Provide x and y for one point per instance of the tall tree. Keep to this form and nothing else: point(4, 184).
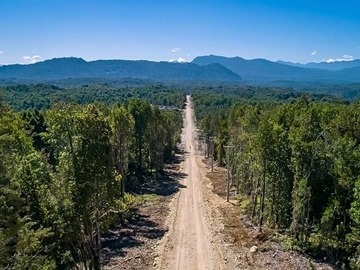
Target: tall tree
point(122, 125)
point(23, 199)
point(141, 112)
point(94, 179)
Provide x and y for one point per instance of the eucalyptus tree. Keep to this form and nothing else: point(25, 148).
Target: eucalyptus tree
point(155, 141)
point(81, 138)
point(122, 126)
point(141, 112)
point(95, 182)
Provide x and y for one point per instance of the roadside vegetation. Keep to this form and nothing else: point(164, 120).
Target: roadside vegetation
point(65, 174)
point(295, 167)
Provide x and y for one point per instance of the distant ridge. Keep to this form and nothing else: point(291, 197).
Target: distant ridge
point(203, 69)
point(64, 68)
point(262, 70)
point(336, 65)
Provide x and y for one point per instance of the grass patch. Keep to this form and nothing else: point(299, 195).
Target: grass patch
point(130, 201)
point(244, 202)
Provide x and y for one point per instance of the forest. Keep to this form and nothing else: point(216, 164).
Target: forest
point(44, 96)
point(73, 158)
point(65, 174)
point(295, 167)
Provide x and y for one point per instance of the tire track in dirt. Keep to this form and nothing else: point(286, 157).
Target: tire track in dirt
point(188, 244)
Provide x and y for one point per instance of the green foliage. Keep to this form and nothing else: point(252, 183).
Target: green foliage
point(122, 126)
point(296, 168)
point(218, 98)
point(354, 237)
point(62, 177)
point(42, 96)
point(23, 196)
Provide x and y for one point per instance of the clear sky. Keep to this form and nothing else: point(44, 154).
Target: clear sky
point(299, 31)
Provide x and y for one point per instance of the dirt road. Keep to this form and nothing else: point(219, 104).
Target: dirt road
point(188, 244)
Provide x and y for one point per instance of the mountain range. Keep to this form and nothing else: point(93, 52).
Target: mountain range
point(262, 70)
point(73, 68)
point(336, 65)
point(207, 69)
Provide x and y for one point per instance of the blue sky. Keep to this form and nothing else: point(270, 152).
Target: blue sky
point(159, 30)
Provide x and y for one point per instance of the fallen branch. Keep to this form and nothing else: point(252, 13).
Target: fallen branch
point(132, 258)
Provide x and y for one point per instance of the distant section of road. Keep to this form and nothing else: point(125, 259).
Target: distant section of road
point(189, 243)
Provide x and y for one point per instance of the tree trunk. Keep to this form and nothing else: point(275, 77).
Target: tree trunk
point(140, 160)
point(255, 193)
point(262, 199)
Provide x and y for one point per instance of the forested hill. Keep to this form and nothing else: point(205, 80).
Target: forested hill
point(264, 71)
point(203, 69)
point(65, 68)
